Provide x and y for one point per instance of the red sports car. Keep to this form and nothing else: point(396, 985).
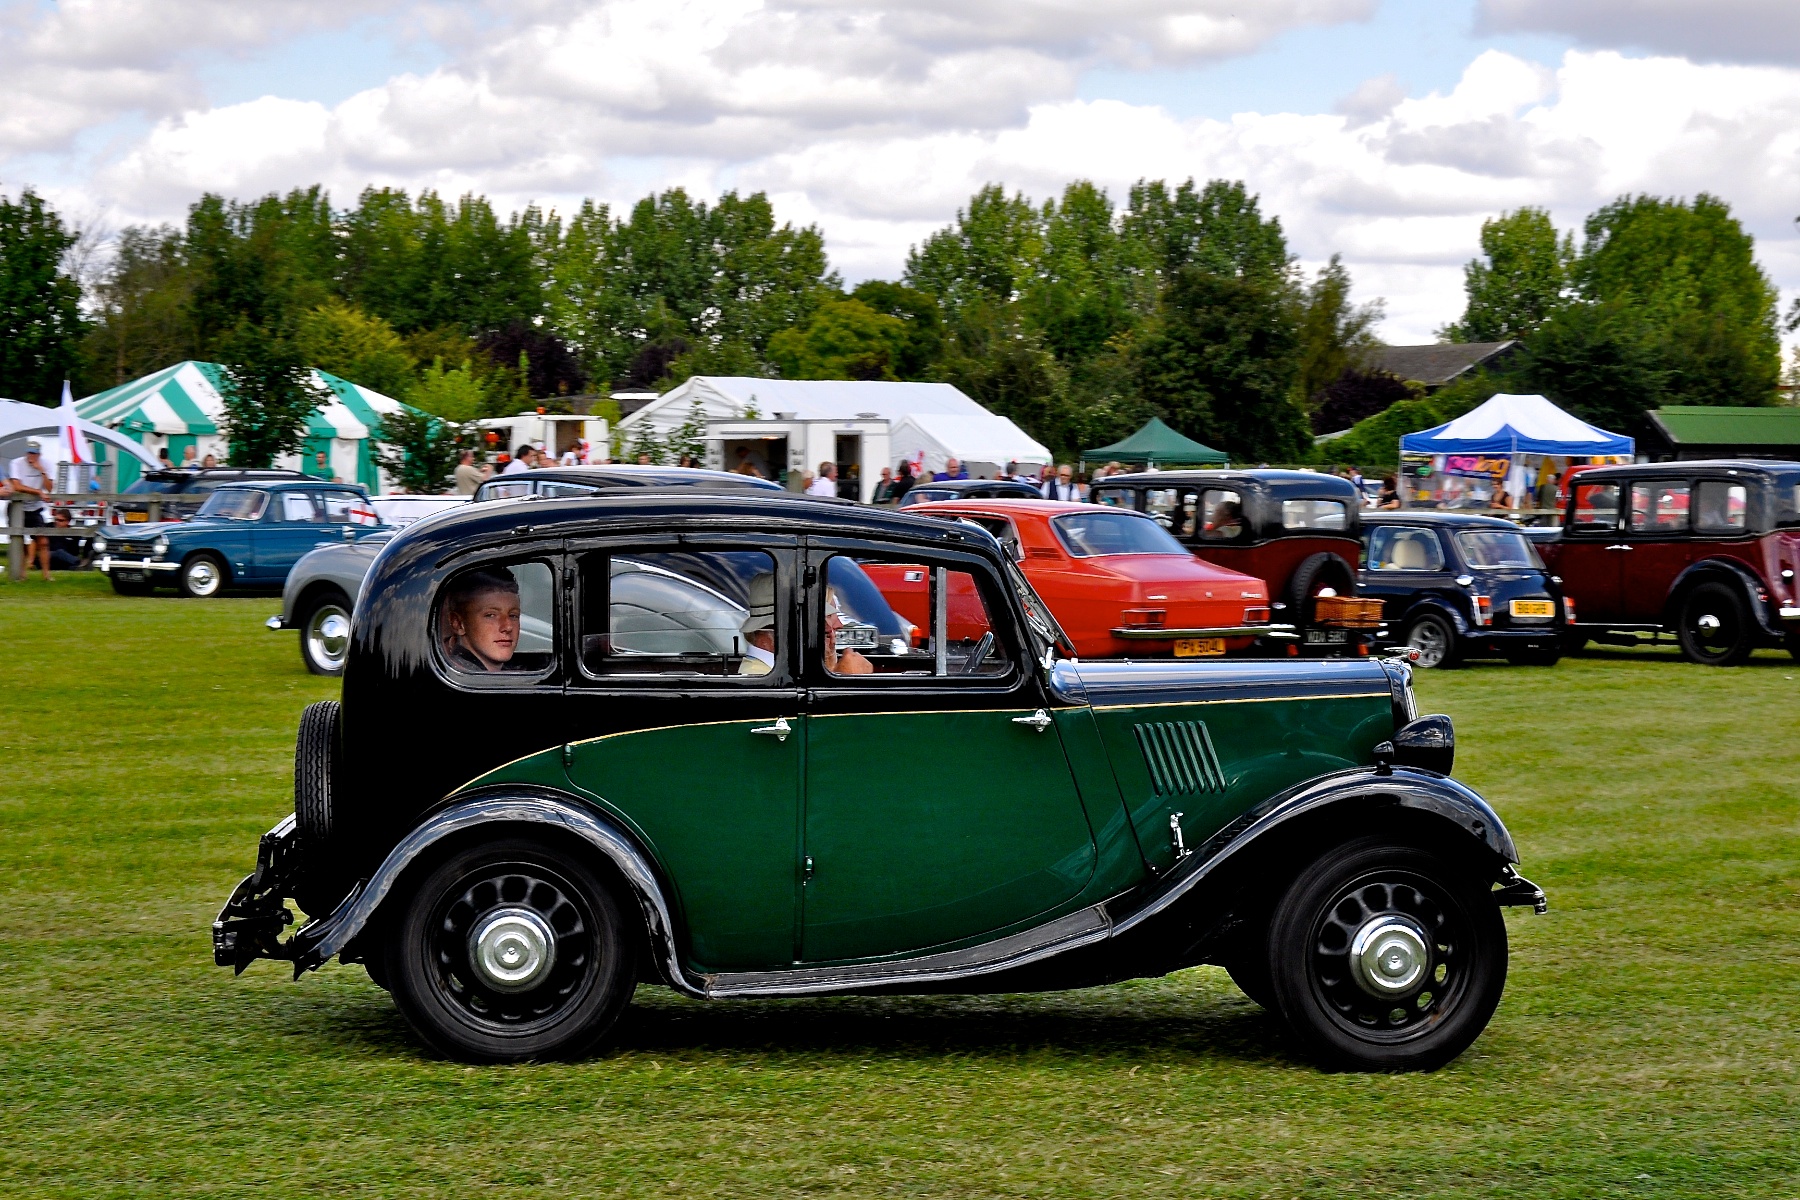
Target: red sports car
point(1115, 581)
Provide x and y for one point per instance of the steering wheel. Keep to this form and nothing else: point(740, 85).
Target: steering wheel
point(979, 655)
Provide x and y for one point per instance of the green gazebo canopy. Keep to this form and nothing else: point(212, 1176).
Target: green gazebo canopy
point(1157, 443)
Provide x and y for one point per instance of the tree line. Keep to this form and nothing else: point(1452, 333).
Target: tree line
point(1076, 316)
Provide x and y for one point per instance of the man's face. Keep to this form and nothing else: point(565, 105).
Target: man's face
point(951, 465)
point(489, 625)
point(61, 516)
point(1065, 474)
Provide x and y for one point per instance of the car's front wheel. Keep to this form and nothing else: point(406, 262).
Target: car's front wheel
point(511, 950)
point(325, 634)
point(1716, 629)
point(1385, 956)
point(1435, 639)
point(201, 576)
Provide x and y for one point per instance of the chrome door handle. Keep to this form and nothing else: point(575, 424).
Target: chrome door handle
point(779, 730)
point(1039, 720)
point(1620, 546)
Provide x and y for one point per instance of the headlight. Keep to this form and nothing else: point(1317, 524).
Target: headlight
point(99, 545)
point(161, 547)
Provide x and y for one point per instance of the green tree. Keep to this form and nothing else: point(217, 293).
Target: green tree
point(1223, 366)
point(1603, 362)
point(986, 256)
point(1336, 336)
point(264, 262)
point(844, 339)
point(421, 450)
point(143, 309)
point(353, 345)
point(1218, 227)
point(921, 317)
point(269, 395)
point(456, 395)
point(1522, 282)
point(40, 314)
point(1374, 442)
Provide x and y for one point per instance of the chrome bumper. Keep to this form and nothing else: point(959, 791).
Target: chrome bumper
point(1230, 631)
point(107, 562)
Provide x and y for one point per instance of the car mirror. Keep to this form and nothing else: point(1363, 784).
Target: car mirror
point(349, 533)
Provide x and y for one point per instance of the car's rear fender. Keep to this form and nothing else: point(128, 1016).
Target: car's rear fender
point(543, 810)
point(1723, 570)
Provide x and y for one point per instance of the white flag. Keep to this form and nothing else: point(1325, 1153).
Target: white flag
point(74, 445)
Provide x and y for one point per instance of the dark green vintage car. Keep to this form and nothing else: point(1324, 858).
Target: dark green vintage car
point(590, 743)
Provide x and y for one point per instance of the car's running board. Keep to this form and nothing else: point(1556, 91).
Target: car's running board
point(1015, 950)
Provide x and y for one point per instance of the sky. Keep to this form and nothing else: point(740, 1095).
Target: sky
point(1382, 130)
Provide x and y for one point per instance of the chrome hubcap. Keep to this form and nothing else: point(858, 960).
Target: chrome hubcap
point(512, 949)
point(1390, 956)
point(1708, 624)
point(329, 635)
point(203, 578)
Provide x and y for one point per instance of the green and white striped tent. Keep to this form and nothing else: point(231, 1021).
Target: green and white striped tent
point(180, 406)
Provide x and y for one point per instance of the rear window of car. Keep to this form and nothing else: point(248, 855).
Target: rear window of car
point(1330, 515)
point(1099, 533)
point(1787, 500)
point(1493, 548)
point(146, 486)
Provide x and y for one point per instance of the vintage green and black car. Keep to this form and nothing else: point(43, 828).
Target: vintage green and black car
point(590, 743)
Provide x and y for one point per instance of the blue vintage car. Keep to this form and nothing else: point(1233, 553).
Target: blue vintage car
point(245, 536)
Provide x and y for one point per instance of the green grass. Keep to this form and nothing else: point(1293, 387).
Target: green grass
point(1647, 1044)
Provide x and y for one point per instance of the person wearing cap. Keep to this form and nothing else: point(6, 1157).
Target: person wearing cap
point(759, 628)
point(30, 484)
point(840, 662)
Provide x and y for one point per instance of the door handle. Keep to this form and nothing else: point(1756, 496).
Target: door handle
point(1039, 720)
point(779, 730)
point(1620, 546)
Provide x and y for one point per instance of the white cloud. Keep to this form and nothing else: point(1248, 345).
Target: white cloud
point(1743, 31)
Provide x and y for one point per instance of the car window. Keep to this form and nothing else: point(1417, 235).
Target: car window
point(1493, 548)
point(498, 619)
point(1003, 532)
point(1314, 514)
point(1720, 507)
point(1115, 498)
point(347, 508)
point(1787, 500)
point(1659, 507)
point(1094, 534)
point(679, 613)
point(945, 617)
point(1404, 548)
point(1222, 515)
point(202, 485)
point(1596, 507)
point(1173, 508)
point(235, 504)
point(301, 506)
point(142, 486)
point(919, 495)
point(567, 489)
point(507, 489)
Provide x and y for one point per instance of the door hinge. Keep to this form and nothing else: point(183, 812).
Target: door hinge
point(806, 869)
point(1181, 850)
point(568, 754)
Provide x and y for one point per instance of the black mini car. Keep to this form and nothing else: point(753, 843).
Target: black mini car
point(1456, 585)
point(968, 489)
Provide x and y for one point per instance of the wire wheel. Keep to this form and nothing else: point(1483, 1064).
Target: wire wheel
point(510, 952)
point(1715, 626)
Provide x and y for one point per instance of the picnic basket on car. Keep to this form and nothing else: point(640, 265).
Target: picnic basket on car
point(1347, 612)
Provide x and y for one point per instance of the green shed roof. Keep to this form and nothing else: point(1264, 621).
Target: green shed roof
point(1699, 425)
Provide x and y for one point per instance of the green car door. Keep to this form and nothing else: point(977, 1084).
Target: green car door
point(939, 805)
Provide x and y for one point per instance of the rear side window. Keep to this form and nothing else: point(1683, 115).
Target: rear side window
point(1659, 507)
point(346, 508)
point(1330, 515)
point(679, 613)
point(1222, 515)
point(1720, 507)
point(1596, 507)
point(1173, 508)
point(498, 620)
point(1404, 548)
point(1115, 498)
point(1094, 534)
point(1787, 501)
point(947, 630)
point(508, 489)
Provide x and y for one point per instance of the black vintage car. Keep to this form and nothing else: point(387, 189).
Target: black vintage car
point(930, 490)
point(550, 482)
point(587, 743)
point(1457, 585)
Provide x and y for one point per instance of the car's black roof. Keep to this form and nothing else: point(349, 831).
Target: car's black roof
point(1699, 466)
point(965, 485)
point(661, 511)
point(642, 475)
point(1279, 482)
point(1412, 516)
point(186, 475)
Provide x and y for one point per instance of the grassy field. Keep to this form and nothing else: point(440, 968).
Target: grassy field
point(1647, 1045)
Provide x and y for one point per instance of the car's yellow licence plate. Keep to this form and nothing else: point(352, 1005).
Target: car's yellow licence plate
point(1199, 647)
point(137, 516)
point(1534, 608)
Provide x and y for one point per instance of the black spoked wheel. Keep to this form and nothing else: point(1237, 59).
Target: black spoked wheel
point(510, 951)
point(1435, 640)
point(1715, 626)
point(1385, 957)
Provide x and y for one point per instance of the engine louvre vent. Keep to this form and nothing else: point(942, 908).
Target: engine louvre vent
point(1180, 757)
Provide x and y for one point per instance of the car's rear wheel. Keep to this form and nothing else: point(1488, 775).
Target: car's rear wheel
point(202, 575)
point(508, 951)
point(325, 634)
point(1716, 629)
point(1385, 956)
point(1435, 639)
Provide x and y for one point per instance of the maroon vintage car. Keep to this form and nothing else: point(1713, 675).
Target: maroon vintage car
point(1299, 531)
point(1704, 551)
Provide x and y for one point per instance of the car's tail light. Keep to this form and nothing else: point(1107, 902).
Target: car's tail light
point(1145, 618)
point(1569, 609)
point(1484, 609)
point(1256, 616)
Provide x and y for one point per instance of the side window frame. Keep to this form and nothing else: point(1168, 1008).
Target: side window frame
point(1720, 531)
point(1002, 618)
point(784, 549)
point(1651, 530)
point(1621, 500)
point(553, 677)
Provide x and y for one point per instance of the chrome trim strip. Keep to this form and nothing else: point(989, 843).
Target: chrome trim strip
point(107, 562)
point(1078, 929)
point(1278, 631)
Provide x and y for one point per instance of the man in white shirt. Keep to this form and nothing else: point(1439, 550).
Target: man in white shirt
point(30, 484)
point(1063, 487)
point(759, 628)
point(524, 460)
point(825, 484)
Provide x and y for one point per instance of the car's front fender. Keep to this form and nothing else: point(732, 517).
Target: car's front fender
point(542, 808)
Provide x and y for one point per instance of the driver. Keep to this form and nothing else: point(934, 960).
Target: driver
point(840, 662)
point(759, 628)
point(1228, 520)
point(480, 620)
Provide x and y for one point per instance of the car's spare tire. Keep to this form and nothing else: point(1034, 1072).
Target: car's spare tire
point(315, 771)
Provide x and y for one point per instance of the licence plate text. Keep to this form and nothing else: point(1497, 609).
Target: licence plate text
point(1327, 637)
point(1534, 608)
point(1199, 647)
